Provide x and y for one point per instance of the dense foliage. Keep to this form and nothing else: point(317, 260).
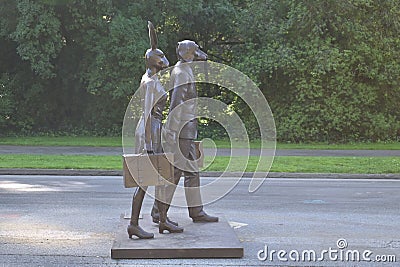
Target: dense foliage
point(329, 69)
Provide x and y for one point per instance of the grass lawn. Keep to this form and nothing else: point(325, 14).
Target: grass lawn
point(116, 142)
point(372, 165)
point(281, 164)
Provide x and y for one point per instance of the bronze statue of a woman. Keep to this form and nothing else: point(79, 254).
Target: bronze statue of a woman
point(148, 134)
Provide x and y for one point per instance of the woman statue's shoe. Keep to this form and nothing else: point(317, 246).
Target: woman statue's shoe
point(139, 232)
point(156, 219)
point(172, 228)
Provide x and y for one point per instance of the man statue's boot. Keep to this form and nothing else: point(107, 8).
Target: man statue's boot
point(133, 227)
point(193, 199)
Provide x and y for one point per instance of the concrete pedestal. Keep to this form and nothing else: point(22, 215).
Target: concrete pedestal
point(198, 240)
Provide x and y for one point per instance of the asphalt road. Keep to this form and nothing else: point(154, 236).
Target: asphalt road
point(71, 150)
point(71, 221)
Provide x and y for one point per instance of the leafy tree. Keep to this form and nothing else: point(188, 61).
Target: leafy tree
point(38, 36)
point(328, 67)
point(5, 101)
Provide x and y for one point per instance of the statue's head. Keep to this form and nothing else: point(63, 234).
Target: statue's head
point(155, 58)
point(189, 51)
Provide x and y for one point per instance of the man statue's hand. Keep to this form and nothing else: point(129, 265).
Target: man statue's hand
point(148, 149)
point(145, 151)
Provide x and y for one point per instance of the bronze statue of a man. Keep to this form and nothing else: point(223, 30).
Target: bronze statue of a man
point(181, 130)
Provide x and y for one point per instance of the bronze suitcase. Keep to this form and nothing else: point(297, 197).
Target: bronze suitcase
point(147, 169)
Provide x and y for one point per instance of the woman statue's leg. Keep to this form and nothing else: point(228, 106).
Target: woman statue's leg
point(134, 228)
point(164, 223)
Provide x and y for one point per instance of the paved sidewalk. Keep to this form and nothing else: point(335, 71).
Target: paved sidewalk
point(74, 150)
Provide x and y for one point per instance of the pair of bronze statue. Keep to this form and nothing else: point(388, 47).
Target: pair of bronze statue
point(181, 130)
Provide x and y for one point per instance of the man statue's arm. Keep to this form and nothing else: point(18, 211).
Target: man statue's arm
point(178, 97)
